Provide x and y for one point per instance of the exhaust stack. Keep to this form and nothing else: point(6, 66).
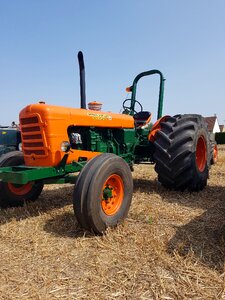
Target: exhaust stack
point(82, 80)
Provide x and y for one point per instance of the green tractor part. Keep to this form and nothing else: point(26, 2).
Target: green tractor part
point(133, 89)
point(178, 145)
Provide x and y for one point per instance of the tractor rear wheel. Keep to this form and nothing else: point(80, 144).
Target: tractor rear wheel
point(103, 193)
point(15, 194)
point(182, 152)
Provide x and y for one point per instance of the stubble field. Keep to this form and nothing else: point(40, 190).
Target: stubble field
point(171, 246)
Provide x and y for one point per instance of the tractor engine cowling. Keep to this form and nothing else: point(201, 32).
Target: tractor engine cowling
point(45, 127)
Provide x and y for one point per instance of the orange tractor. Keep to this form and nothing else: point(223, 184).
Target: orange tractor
point(103, 147)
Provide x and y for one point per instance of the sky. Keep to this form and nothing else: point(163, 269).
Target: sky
point(185, 40)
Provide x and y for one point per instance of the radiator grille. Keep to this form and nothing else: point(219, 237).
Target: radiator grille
point(33, 137)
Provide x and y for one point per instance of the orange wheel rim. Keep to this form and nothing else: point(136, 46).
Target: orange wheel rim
point(20, 189)
point(112, 194)
point(201, 154)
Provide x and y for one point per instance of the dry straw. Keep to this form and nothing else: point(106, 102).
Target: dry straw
point(170, 247)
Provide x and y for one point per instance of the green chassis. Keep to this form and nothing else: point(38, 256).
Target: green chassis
point(23, 174)
point(64, 173)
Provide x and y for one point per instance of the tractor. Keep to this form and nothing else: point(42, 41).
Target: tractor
point(58, 142)
point(10, 139)
point(213, 152)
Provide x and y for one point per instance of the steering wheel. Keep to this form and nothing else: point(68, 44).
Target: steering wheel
point(127, 109)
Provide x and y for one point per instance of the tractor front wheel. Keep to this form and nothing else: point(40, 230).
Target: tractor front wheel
point(15, 194)
point(103, 193)
point(182, 152)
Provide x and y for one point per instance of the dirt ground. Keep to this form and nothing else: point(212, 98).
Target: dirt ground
point(171, 246)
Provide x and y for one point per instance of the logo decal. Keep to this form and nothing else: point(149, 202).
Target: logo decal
point(100, 116)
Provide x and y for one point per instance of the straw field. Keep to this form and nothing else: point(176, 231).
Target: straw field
point(171, 246)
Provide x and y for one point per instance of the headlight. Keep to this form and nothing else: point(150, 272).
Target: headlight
point(65, 146)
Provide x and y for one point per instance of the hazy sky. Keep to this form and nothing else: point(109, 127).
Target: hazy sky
point(185, 40)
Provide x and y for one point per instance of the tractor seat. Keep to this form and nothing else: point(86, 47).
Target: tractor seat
point(142, 118)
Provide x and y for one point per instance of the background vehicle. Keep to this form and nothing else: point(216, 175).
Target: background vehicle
point(103, 147)
point(213, 152)
point(10, 139)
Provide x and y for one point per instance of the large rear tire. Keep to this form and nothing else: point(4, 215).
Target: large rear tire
point(182, 153)
point(103, 193)
point(12, 195)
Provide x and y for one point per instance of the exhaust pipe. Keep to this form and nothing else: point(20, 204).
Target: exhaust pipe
point(82, 80)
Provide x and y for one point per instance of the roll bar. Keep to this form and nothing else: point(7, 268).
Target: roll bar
point(133, 89)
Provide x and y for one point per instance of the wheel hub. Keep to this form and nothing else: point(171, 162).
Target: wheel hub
point(112, 194)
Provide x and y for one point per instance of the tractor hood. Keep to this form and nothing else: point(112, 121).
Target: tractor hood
point(63, 116)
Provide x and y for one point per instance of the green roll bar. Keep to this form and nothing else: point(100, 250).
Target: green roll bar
point(161, 90)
